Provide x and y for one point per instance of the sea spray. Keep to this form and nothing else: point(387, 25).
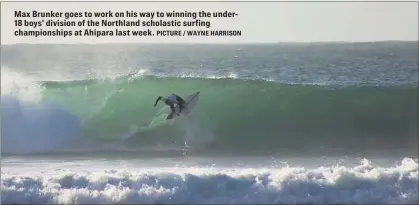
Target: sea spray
point(30, 124)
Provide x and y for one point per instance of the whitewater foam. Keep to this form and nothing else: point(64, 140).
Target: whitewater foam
point(24, 87)
point(361, 184)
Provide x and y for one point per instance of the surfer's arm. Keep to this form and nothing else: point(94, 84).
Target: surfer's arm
point(159, 98)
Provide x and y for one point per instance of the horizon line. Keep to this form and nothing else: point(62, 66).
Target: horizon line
point(221, 43)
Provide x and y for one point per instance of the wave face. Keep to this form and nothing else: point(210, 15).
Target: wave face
point(235, 114)
point(362, 184)
point(296, 97)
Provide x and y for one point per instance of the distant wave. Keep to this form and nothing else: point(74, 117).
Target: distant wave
point(372, 63)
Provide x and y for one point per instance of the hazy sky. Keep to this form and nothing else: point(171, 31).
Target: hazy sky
point(258, 21)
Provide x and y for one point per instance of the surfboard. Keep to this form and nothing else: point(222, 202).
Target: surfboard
point(191, 101)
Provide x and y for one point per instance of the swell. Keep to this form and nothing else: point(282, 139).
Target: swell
point(235, 114)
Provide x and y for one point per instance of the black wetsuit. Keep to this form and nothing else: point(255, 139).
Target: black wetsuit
point(171, 101)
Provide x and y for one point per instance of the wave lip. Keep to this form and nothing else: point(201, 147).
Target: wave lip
point(362, 184)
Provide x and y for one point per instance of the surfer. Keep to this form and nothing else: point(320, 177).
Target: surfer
point(171, 100)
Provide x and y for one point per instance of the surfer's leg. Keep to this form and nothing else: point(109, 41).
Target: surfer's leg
point(181, 103)
point(172, 107)
point(170, 116)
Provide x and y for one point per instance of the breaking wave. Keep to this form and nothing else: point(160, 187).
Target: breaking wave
point(362, 184)
point(232, 114)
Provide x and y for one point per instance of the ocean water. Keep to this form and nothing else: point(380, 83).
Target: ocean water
point(275, 124)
